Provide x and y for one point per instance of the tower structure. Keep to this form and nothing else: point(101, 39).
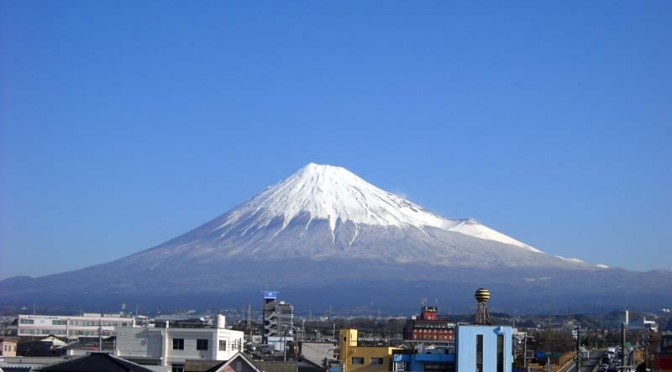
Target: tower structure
point(482, 296)
point(278, 321)
point(270, 315)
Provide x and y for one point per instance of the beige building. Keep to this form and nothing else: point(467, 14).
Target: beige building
point(8, 346)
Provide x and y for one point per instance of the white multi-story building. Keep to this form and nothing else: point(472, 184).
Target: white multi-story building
point(71, 327)
point(170, 347)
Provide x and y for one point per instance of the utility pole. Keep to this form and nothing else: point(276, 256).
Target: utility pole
point(623, 344)
point(525, 352)
point(100, 335)
point(284, 344)
point(249, 321)
point(578, 349)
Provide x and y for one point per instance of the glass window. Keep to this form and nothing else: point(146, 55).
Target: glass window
point(500, 353)
point(177, 367)
point(222, 345)
point(357, 360)
point(479, 353)
point(378, 361)
point(201, 344)
point(178, 344)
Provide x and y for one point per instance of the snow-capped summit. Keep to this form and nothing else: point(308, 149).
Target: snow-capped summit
point(336, 195)
point(332, 193)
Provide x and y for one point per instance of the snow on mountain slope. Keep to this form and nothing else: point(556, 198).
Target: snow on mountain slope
point(475, 229)
point(334, 194)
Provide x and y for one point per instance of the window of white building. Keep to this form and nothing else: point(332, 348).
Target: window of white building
point(178, 344)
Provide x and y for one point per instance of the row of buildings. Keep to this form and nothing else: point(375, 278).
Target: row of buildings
point(172, 348)
point(178, 345)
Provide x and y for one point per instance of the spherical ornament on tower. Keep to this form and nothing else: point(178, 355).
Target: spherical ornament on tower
point(482, 295)
point(482, 315)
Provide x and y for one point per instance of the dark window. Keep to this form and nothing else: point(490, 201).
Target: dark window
point(201, 344)
point(378, 361)
point(222, 345)
point(178, 344)
point(479, 353)
point(500, 353)
point(357, 360)
point(177, 367)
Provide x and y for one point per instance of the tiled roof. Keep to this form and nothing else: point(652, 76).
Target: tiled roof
point(96, 362)
point(206, 365)
point(273, 366)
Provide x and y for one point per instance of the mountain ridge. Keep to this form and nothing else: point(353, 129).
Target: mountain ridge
point(325, 229)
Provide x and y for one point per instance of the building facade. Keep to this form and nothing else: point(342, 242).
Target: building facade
point(428, 327)
point(8, 346)
point(662, 360)
point(481, 348)
point(478, 348)
point(438, 359)
point(278, 322)
point(71, 327)
point(355, 357)
point(171, 347)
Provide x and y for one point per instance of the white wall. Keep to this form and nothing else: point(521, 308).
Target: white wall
point(153, 343)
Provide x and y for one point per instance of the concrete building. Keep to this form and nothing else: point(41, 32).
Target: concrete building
point(278, 322)
point(478, 348)
point(482, 348)
point(436, 359)
point(170, 347)
point(8, 346)
point(320, 353)
point(71, 327)
point(662, 359)
point(428, 327)
point(355, 357)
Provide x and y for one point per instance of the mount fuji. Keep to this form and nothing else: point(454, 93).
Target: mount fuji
point(324, 212)
point(324, 236)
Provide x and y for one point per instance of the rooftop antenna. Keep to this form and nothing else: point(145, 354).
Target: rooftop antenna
point(482, 296)
point(249, 320)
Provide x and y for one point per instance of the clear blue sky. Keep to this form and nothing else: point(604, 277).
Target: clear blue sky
point(126, 123)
